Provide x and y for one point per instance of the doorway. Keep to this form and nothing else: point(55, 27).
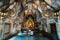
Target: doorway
point(53, 28)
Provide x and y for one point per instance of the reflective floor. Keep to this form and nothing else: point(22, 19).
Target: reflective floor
point(34, 37)
point(28, 38)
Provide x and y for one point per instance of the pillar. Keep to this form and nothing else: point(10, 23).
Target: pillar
point(11, 27)
point(58, 27)
point(48, 26)
point(19, 27)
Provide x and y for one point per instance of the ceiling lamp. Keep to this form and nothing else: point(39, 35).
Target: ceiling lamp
point(24, 1)
point(37, 2)
point(30, 12)
point(3, 15)
point(48, 7)
point(11, 1)
point(55, 13)
point(34, 6)
point(49, 1)
point(43, 3)
point(26, 11)
point(46, 15)
point(6, 15)
point(45, 8)
point(12, 14)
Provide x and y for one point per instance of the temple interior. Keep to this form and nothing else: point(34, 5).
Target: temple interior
point(29, 19)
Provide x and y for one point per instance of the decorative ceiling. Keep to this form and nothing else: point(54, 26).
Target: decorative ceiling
point(46, 8)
